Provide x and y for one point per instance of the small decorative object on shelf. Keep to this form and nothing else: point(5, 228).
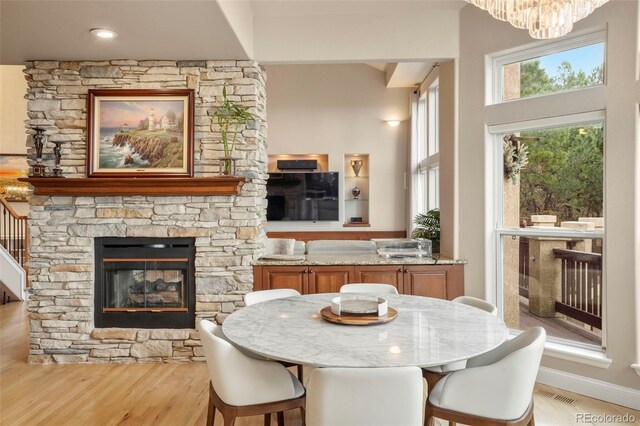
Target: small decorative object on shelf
point(230, 116)
point(227, 166)
point(57, 152)
point(356, 165)
point(356, 219)
point(356, 193)
point(39, 139)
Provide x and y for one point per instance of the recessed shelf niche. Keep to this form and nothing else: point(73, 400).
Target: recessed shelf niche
point(356, 206)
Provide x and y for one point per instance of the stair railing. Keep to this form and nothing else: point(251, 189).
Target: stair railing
point(14, 233)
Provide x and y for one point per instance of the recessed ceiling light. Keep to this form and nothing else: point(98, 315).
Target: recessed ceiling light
point(393, 123)
point(103, 33)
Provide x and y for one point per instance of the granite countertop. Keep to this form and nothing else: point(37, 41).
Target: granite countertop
point(345, 258)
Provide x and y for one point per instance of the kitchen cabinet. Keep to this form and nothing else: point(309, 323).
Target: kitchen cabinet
point(439, 281)
point(380, 274)
point(305, 279)
point(329, 279)
point(272, 277)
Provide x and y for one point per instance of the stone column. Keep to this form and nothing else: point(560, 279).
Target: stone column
point(544, 279)
point(511, 267)
point(584, 244)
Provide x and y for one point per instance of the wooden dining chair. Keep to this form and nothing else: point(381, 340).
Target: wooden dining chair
point(365, 397)
point(369, 288)
point(264, 296)
point(434, 374)
point(496, 388)
point(243, 386)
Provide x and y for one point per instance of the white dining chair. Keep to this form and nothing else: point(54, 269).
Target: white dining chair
point(265, 295)
point(369, 288)
point(365, 396)
point(434, 374)
point(244, 386)
point(495, 388)
point(477, 303)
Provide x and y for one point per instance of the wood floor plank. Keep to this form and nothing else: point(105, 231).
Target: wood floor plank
point(153, 394)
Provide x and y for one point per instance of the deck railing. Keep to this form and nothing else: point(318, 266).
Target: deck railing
point(581, 286)
point(523, 267)
point(14, 233)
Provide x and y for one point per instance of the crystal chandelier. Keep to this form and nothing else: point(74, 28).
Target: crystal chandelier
point(543, 18)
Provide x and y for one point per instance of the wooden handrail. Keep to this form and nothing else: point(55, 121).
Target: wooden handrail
point(10, 209)
point(14, 235)
point(580, 286)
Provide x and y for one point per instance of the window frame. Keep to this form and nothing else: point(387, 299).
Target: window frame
point(535, 50)
point(499, 231)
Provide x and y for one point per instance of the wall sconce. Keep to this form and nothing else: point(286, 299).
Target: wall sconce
point(393, 123)
point(103, 33)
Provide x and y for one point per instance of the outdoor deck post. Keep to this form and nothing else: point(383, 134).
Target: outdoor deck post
point(544, 270)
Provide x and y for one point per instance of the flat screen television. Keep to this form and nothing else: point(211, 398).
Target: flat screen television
point(303, 196)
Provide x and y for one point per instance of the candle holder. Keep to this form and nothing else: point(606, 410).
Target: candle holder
point(38, 169)
point(57, 152)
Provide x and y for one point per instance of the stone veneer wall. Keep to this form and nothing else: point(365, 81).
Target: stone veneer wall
point(228, 229)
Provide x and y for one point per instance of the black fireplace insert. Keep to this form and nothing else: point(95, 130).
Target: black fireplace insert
point(145, 282)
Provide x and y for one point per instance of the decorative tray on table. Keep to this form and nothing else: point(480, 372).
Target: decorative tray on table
point(358, 310)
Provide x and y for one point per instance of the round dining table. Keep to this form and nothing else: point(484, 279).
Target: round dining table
point(427, 332)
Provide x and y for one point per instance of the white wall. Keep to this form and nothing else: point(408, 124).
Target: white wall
point(480, 35)
point(338, 110)
point(13, 110)
point(410, 31)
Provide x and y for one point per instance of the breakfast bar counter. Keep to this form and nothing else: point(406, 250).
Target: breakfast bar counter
point(325, 273)
point(357, 259)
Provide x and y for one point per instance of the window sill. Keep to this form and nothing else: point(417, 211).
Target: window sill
point(592, 357)
point(637, 368)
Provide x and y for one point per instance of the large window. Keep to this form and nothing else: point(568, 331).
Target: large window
point(429, 149)
point(548, 197)
point(550, 233)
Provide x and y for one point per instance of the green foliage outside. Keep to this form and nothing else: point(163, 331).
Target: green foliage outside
point(564, 176)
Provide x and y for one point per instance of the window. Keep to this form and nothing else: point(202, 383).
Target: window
point(550, 235)
point(548, 210)
point(429, 151)
point(571, 64)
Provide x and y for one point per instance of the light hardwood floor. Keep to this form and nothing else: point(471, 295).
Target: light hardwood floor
point(156, 394)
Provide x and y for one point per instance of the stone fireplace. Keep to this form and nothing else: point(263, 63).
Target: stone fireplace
point(225, 231)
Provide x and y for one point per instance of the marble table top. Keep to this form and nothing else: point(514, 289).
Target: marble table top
point(427, 332)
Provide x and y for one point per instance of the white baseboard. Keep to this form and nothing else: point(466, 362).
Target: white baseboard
point(593, 388)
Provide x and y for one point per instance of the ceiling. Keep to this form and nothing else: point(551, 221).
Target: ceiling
point(217, 29)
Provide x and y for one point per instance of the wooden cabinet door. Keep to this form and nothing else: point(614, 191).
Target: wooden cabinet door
point(442, 282)
point(329, 279)
point(294, 277)
point(380, 274)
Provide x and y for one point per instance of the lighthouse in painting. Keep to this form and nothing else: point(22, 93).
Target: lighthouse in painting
point(152, 120)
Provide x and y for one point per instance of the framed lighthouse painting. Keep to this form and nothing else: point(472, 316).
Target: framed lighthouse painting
point(133, 133)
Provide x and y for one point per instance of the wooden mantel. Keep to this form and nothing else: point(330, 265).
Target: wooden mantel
point(114, 186)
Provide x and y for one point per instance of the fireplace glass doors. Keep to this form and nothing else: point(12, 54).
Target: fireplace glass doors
point(145, 282)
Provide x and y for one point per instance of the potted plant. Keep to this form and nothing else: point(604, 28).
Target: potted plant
point(428, 226)
point(230, 116)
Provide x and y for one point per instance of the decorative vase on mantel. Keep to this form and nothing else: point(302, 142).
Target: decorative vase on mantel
point(227, 166)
